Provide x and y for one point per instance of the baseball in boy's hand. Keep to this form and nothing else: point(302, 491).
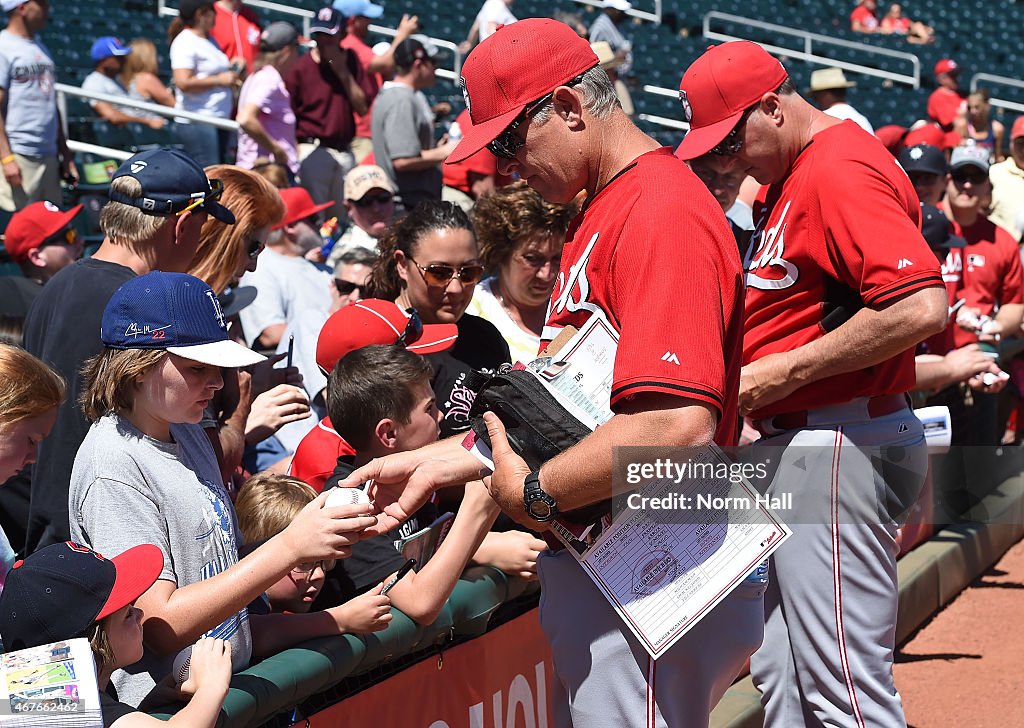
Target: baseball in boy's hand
point(180, 669)
point(346, 496)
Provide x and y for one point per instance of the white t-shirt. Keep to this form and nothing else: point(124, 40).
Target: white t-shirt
point(845, 111)
point(493, 11)
point(205, 59)
point(522, 346)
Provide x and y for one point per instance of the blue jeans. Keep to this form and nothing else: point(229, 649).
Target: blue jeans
point(205, 144)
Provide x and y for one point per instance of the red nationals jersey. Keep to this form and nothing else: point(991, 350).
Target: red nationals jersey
point(317, 454)
point(653, 251)
point(840, 232)
point(991, 270)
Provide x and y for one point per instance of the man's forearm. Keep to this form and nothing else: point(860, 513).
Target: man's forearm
point(428, 159)
point(1009, 317)
point(583, 474)
point(870, 337)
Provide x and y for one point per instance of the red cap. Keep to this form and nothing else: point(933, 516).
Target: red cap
point(891, 136)
point(33, 224)
point(926, 134)
point(514, 66)
point(373, 321)
point(719, 86)
point(946, 65)
point(298, 206)
point(1017, 130)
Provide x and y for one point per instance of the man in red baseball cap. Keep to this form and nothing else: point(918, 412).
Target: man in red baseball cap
point(650, 238)
point(364, 323)
point(40, 239)
point(947, 101)
point(840, 288)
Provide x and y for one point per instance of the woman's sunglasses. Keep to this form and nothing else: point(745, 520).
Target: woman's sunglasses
point(439, 275)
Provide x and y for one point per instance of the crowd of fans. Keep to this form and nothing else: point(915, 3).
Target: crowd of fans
point(267, 326)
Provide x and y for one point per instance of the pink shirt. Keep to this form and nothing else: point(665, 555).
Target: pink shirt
point(265, 89)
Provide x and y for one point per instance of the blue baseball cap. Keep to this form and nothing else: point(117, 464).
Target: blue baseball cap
point(106, 47)
point(175, 312)
point(354, 8)
point(172, 182)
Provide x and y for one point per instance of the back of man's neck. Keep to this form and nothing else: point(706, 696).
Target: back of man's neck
point(120, 254)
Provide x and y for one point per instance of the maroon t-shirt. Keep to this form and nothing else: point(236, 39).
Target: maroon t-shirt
point(322, 109)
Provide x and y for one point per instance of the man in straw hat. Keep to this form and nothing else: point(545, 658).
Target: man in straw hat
point(828, 91)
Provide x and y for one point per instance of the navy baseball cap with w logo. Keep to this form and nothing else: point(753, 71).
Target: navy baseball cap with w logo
point(172, 183)
point(175, 312)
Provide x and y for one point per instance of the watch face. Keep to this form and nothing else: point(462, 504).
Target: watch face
point(539, 509)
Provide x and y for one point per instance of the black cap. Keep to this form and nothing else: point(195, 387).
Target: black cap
point(938, 230)
point(411, 49)
point(59, 591)
point(923, 158)
point(187, 9)
point(171, 183)
point(327, 21)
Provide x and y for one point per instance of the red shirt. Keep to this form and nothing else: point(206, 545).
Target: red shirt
point(865, 17)
point(842, 229)
point(373, 80)
point(653, 251)
point(317, 454)
point(952, 267)
point(944, 105)
point(322, 109)
point(992, 271)
point(483, 162)
point(237, 34)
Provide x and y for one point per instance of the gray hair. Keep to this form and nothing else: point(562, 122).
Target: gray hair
point(599, 97)
point(357, 256)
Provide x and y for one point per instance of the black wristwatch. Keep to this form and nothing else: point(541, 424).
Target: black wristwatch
point(540, 506)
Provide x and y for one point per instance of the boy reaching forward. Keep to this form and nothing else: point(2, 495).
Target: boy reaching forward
point(380, 401)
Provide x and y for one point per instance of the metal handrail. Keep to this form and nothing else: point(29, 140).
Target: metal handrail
point(808, 55)
point(664, 121)
point(1002, 81)
point(86, 148)
point(654, 17)
point(308, 15)
point(167, 111)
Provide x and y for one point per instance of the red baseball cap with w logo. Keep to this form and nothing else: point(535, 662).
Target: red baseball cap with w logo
point(514, 66)
point(719, 86)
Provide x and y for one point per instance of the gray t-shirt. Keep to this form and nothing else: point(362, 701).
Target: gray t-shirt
point(96, 81)
point(27, 74)
point(128, 489)
point(403, 126)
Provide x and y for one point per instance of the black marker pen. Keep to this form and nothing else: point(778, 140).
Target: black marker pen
point(406, 567)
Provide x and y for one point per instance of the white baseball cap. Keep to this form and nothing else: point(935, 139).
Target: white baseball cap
point(10, 5)
point(623, 5)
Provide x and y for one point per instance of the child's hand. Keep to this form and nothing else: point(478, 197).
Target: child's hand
point(515, 553)
point(365, 613)
point(209, 666)
point(318, 533)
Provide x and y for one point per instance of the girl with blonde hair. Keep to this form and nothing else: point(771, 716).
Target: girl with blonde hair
point(139, 76)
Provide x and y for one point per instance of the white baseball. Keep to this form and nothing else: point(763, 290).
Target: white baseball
point(346, 496)
point(180, 669)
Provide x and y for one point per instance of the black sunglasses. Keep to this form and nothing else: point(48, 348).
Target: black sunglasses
point(369, 200)
point(439, 275)
point(255, 248)
point(963, 176)
point(347, 288)
point(733, 142)
point(413, 329)
point(507, 144)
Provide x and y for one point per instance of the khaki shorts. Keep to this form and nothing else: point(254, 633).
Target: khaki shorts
point(40, 180)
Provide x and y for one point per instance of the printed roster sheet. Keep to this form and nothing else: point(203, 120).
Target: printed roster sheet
point(662, 569)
